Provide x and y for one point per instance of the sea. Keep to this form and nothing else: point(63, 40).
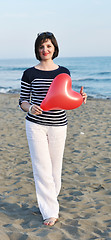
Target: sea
point(93, 73)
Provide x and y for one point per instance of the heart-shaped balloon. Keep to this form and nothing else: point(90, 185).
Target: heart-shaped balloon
point(60, 95)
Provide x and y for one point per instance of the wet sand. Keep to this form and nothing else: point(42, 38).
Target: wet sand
point(85, 197)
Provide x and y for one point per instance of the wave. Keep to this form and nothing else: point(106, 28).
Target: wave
point(91, 79)
point(12, 68)
point(83, 79)
point(9, 90)
point(101, 73)
point(91, 94)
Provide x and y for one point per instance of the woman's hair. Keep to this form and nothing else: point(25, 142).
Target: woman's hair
point(41, 38)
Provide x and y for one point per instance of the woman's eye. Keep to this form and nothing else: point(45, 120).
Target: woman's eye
point(49, 46)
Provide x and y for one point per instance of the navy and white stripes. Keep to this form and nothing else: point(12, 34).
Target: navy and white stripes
point(34, 86)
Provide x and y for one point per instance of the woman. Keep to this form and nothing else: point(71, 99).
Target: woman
point(46, 131)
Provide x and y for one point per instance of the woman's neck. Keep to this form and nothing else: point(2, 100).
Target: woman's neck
point(47, 65)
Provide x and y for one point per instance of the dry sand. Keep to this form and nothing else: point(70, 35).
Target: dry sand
point(85, 198)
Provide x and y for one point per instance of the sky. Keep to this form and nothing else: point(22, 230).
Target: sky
point(82, 27)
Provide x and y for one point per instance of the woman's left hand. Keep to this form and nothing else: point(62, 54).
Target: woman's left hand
point(84, 95)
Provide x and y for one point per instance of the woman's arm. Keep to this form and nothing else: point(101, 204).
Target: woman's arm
point(25, 106)
point(32, 109)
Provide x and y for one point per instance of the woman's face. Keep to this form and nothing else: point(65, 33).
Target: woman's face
point(46, 50)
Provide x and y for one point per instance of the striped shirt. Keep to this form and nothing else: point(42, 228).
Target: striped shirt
point(34, 86)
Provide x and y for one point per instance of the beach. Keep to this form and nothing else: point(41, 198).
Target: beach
point(85, 197)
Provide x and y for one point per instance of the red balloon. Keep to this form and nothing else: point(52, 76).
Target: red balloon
point(60, 95)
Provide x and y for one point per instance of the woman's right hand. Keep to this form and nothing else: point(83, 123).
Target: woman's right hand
point(36, 110)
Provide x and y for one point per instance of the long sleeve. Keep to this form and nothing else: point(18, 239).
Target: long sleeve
point(25, 89)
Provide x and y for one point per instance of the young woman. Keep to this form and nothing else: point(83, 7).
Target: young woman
point(46, 131)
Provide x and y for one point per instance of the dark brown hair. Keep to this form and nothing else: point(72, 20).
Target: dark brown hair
point(41, 38)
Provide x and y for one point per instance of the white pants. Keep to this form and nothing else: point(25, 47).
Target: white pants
point(46, 144)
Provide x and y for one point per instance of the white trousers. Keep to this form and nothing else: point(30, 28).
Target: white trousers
point(46, 145)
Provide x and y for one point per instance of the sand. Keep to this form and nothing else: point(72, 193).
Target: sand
point(85, 197)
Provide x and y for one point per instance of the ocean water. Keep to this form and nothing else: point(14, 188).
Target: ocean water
point(93, 73)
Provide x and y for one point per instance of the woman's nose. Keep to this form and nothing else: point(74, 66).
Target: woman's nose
point(45, 48)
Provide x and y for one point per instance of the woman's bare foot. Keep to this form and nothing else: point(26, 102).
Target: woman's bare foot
point(50, 221)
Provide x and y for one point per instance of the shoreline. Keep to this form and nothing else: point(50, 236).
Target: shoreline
point(85, 197)
point(88, 98)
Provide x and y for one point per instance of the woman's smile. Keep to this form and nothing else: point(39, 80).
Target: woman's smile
point(45, 54)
